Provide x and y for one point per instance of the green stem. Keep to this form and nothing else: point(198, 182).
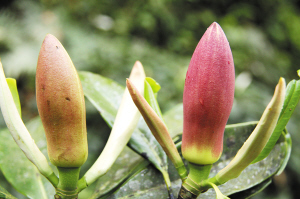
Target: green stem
point(191, 187)
point(206, 184)
point(67, 185)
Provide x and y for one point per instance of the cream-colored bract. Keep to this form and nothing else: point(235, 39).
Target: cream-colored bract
point(125, 123)
point(18, 129)
point(258, 138)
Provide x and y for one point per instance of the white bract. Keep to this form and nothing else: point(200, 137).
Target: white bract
point(126, 121)
point(18, 129)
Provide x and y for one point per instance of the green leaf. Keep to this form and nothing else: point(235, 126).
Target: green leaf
point(105, 95)
point(248, 193)
point(149, 184)
point(12, 84)
point(5, 194)
point(288, 142)
point(154, 85)
point(291, 100)
point(18, 170)
point(122, 170)
point(150, 94)
point(174, 119)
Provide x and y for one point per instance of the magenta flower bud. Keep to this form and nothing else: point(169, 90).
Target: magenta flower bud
point(208, 97)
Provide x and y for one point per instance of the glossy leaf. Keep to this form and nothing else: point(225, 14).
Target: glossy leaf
point(291, 100)
point(105, 95)
point(248, 193)
point(148, 184)
point(126, 166)
point(173, 118)
point(18, 170)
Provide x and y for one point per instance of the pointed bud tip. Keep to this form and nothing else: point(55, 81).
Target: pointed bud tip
point(137, 74)
point(128, 83)
point(281, 80)
point(138, 68)
point(137, 62)
point(50, 39)
point(215, 25)
point(281, 84)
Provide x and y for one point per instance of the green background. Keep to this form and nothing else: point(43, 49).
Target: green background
point(108, 36)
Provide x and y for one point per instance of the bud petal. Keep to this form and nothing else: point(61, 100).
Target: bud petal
point(60, 102)
point(208, 97)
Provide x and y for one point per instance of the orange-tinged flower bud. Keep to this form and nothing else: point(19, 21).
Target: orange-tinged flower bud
point(208, 97)
point(61, 105)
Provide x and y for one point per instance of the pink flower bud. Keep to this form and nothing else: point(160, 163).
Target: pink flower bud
point(208, 97)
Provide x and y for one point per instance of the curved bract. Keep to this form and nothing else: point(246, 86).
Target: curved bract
point(19, 131)
point(258, 139)
point(125, 123)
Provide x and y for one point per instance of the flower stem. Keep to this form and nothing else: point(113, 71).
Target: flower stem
point(191, 187)
point(67, 185)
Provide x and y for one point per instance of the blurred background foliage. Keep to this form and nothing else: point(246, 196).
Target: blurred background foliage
point(108, 36)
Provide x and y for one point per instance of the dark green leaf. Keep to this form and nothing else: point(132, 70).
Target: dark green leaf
point(252, 191)
point(126, 166)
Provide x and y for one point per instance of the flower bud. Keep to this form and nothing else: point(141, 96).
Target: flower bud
point(208, 97)
point(61, 105)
